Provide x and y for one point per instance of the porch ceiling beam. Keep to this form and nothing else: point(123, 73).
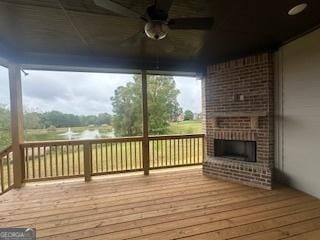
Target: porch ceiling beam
point(70, 62)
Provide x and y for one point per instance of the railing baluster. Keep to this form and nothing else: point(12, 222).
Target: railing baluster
point(96, 156)
point(1, 175)
point(197, 147)
point(50, 157)
point(39, 163)
point(73, 166)
point(68, 163)
point(45, 160)
point(130, 154)
point(33, 168)
point(163, 153)
point(107, 157)
point(62, 157)
point(169, 152)
point(8, 170)
point(135, 154)
point(194, 150)
point(78, 155)
point(166, 151)
point(26, 155)
point(117, 164)
point(101, 158)
point(158, 151)
point(140, 155)
point(174, 151)
point(112, 162)
point(126, 156)
point(187, 151)
point(177, 151)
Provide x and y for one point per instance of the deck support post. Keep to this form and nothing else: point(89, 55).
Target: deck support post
point(16, 124)
point(145, 122)
point(87, 161)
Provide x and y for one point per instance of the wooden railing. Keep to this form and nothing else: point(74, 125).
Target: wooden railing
point(6, 170)
point(56, 159)
point(60, 159)
point(175, 150)
point(116, 155)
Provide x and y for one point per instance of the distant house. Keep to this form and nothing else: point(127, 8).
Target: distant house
point(180, 118)
point(197, 116)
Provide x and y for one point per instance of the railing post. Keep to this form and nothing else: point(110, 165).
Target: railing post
point(204, 148)
point(87, 161)
point(145, 122)
point(16, 124)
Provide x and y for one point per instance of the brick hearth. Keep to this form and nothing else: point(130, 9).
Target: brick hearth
point(238, 105)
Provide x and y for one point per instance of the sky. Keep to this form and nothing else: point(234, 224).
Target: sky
point(84, 93)
point(4, 86)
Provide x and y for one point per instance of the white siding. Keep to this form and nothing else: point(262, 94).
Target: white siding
point(298, 105)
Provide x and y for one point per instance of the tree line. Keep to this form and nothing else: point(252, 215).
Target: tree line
point(36, 120)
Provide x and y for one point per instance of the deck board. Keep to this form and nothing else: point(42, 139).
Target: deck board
point(168, 204)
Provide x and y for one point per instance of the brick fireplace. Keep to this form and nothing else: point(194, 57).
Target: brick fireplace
point(238, 111)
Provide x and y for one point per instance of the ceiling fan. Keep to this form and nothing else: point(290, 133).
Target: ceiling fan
point(157, 18)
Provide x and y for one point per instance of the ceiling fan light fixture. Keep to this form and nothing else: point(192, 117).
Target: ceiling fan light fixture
point(297, 9)
point(156, 30)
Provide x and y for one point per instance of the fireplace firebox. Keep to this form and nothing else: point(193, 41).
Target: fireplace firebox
point(235, 150)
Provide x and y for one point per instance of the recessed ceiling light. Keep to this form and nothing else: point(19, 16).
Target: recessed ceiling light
point(297, 9)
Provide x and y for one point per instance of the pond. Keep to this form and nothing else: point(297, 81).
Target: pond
point(86, 134)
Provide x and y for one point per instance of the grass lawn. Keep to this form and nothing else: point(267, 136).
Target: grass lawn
point(186, 127)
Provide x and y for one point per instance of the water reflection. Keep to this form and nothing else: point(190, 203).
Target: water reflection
point(90, 134)
point(69, 134)
point(87, 134)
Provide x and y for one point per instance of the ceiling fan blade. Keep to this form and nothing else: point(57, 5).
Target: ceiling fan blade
point(116, 8)
point(204, 23)
point(134, 40)
point(164, 5)
point(165, 45)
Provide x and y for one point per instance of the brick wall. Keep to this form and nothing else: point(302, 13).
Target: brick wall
point(237, 87)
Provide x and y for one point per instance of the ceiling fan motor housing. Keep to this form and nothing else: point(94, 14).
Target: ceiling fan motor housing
point(157, 14)
point(156, 29)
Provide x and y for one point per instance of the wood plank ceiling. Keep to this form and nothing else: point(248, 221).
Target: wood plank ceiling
point(65, 31)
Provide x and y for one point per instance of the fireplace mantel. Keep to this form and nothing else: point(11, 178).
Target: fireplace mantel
point(254, 117)
point(239, 114)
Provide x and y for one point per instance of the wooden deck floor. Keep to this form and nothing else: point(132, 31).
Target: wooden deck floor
point(165, 205)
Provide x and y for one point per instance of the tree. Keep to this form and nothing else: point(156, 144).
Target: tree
point(59, 119)
point(162, 105)
point(126, 104)
point(88, 120)
point(5, 133)
point(4, 117)
point(188, 115)
point(104, 118)
point(32, 120)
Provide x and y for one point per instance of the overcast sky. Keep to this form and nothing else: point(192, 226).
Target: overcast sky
point(4, 86)
point(85, 93)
